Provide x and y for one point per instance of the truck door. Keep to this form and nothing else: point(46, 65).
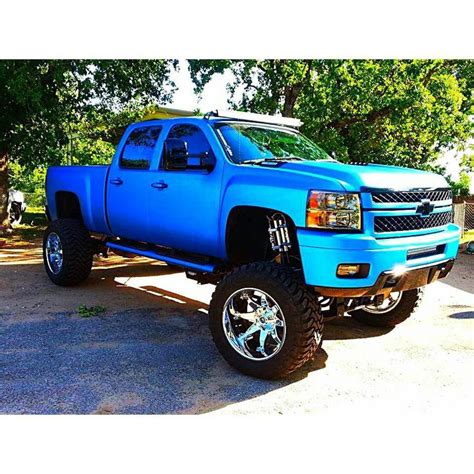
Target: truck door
point(128, 184)
point(184, 204)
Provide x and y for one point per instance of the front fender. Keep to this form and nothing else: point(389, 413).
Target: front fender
point(270, 189)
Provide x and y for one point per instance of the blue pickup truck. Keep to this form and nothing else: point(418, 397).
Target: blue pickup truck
point(289, 235)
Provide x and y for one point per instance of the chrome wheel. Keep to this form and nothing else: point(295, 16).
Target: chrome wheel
point(254, 324)
point(54, 253)
point(387, 304)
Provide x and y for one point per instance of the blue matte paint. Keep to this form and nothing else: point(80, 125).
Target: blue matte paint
point(86, 182)
point(191, 213)
point(322, 253)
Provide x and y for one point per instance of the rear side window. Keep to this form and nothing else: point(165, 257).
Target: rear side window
point(198, 146)
point(139, 147)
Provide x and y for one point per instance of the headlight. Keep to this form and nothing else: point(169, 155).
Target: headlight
point(333, 211)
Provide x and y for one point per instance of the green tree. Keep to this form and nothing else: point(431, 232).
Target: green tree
point(461, 187)
point(44, 102)
point(399, 112)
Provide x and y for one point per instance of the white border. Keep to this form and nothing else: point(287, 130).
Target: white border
point(333, 441)
point(340, 441)
point(245, 29)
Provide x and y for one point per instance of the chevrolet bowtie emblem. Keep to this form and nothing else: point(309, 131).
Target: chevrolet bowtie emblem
point(425, 208)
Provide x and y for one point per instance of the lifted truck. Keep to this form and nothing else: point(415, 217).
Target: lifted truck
point(289, 235)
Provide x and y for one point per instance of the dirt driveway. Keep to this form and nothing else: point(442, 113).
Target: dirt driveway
point(151, 351)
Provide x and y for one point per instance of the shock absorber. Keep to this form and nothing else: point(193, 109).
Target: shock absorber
point(279, 235)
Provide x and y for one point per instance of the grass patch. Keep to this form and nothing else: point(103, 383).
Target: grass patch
point(468, 236)
point(85, 311)
point(32, 225)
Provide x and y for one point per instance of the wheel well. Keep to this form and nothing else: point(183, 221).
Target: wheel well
point(67, 205)
point(247, 238)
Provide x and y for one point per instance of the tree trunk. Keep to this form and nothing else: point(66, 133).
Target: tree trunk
point(292, 92)
point(291, 96)
point(4, 217)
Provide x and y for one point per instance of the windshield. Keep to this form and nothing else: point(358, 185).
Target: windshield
point(249, 142)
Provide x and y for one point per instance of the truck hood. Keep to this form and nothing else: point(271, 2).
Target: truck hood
point(359, 177)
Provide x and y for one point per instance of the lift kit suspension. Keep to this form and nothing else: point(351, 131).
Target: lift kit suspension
point(279, 236)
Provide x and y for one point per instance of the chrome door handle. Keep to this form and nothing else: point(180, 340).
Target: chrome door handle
point(159, 185)
point(116, 181)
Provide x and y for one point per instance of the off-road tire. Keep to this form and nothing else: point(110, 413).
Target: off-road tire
point(77, 248)
point(304, 322)
point(409, 303)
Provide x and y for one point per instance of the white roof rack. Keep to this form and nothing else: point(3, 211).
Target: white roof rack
point(251, 117)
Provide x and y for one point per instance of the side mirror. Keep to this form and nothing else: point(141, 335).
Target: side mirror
point(208, 161)
point(175, 154)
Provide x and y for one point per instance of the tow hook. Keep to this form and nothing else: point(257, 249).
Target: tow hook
point(344, 305)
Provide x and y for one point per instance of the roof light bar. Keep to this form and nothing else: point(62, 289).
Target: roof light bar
point(251, 117)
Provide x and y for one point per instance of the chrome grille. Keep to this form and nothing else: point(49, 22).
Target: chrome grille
point(412, 196)
point(412, 222)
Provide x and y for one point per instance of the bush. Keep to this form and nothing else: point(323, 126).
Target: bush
point(31, 182)
point(461, 187)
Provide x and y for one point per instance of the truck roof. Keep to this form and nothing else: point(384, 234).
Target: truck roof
point(191, 118)
point(199, 120)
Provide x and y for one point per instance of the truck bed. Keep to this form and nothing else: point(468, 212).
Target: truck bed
point(86, 182)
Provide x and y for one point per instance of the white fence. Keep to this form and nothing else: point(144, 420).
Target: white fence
point(469, 215)
point(464, 216)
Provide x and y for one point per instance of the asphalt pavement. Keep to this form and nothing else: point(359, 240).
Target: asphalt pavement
point(151, 351)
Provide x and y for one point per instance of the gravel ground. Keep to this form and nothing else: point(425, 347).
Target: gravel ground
point(151, 351)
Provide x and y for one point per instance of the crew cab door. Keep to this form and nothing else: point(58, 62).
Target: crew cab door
point(128, 183)
point(184, 204)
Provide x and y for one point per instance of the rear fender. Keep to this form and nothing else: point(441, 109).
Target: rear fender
point(86, 185)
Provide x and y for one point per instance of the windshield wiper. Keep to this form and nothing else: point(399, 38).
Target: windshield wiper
point(271, 160)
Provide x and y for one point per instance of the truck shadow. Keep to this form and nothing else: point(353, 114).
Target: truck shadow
point(151, 352)
point(462, 315)
point(347, 328)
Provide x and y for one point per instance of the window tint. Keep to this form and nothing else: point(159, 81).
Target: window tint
point(139, 147)
point(198, 146)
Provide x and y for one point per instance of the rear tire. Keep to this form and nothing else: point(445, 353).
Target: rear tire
point(289, 299)
point(70, 261)
point(408, 304)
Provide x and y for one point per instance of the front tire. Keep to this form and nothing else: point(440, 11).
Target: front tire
point(264, 321)
point(407, 304)
point(67, 252)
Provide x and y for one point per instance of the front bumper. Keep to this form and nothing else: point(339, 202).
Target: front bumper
point(392, 281)
point(322, 252)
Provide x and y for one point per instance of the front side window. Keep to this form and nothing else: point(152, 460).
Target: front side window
point(197, 144)
point(138, 149)
point(248, 142)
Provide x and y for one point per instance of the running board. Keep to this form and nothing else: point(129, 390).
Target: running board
point(201, 267)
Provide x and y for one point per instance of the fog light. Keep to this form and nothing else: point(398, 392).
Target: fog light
point(353, 270)
point(398, 270)
point(348, 270)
